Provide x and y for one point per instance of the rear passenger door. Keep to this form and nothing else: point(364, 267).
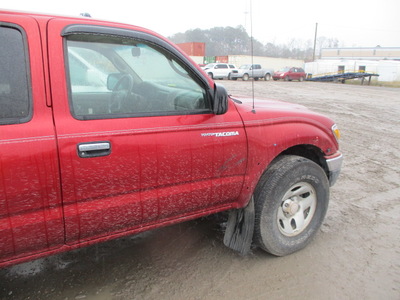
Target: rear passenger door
point(30, 200)
point(295, 73)
point(139, 144)
point(257, 71)
point(221, 70)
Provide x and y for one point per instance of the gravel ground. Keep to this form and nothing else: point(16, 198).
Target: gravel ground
point(356, 254)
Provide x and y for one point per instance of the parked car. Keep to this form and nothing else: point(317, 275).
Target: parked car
point(95, 144)
point(289, 74)
point(220, 70)
point(255, 71)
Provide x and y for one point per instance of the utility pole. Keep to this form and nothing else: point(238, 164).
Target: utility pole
point(315, 40)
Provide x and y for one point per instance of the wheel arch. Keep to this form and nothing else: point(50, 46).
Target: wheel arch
point(242, 221)
point(310, 152)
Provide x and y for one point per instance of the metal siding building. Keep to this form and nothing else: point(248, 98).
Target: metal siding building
point(379, 60)
point(376, 53)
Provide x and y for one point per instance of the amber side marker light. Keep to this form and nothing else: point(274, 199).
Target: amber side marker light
point(336, 132)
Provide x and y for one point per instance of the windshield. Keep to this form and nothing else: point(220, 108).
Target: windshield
point(209, 66)
point(152, 65)
point(284, 70)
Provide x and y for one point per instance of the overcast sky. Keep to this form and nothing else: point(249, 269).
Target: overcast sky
point(360, 23)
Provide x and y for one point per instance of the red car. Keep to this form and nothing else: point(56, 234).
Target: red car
point(289, 74)
point(109, 129)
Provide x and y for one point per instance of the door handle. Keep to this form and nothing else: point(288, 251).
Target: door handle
point(94, 149)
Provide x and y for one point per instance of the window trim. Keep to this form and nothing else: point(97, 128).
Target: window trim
point(28, 74)
point(82, 29)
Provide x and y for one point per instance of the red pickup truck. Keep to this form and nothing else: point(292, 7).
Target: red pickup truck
point(109, 129)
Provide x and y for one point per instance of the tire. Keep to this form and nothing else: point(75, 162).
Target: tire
point(245, 77)
point(301, 79)
point(287, 78)
point(291, 201)
point(229, 76)
point(267, 77)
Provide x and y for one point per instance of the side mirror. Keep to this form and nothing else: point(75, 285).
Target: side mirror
point(220, 101)
point(112, 80)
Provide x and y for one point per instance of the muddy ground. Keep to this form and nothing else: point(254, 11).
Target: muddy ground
point(356, 254)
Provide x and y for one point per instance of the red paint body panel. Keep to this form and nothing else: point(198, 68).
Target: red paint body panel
point(160, 167)
point(30, 194)
point(276, 126)
point(160, 170)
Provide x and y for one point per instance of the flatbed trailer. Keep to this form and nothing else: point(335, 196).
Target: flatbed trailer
point(342, 77)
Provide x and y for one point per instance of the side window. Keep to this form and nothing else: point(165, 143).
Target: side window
point(120, 77)
point(15, 103)
point(85, 73)
point(222, 66)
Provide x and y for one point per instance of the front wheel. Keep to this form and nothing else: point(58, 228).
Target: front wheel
point(267, 77)
point(291, 201)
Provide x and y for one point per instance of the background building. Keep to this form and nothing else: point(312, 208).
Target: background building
point(384, 61)
point(377, 53)
point(379, 60)
point(196, 51)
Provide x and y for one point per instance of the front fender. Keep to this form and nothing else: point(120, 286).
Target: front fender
point(269, 138)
